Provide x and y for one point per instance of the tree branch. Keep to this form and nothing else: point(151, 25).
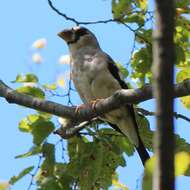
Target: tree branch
point(70, 131)
point(150, 113)
point(115, 101)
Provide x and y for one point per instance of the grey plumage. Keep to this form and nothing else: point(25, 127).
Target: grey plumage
point(96, 76)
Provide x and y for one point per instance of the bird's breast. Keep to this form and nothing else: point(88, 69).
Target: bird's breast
point(83, 75)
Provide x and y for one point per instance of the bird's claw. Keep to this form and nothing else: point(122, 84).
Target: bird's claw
point(92, 104)
point(78, 108)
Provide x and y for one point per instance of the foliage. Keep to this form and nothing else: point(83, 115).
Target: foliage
point(14, 179)
point(95, 153)
point(182, 164)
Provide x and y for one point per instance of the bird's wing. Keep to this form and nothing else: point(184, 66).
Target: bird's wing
point(114, 70)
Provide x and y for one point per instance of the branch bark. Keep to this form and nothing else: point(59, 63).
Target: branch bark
point(163, 69)
point(117, 100)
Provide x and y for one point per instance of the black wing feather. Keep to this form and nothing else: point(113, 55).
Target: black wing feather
point(114, 70)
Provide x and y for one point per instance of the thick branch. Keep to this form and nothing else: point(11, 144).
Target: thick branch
point(115, 101)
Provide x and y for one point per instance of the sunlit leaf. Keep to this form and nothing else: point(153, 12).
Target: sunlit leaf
point(14, 179)
point(182, 75)
point(142, 4)
point(186, 101)
point(182, 163)
point(61, 81)
point(52, 86)
point(28, 78)
point(148, 173)
point(117, 184)
point(24, 126)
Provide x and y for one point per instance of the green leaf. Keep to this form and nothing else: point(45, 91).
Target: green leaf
point(91, 165)
point(181, 76)
point(120, 8)
point(64, 176)
point(49, 183)
point(26, 78)
point(181, 144)
point(50, 86)
point(180, 55)
point(138, 18)
point(41, 130)
point(94, 161)
point(49, 162)
point(33, 151)
point(123, 70)
point(145, 132)
point(14, 179)
point(182, 3)
point(141, 64)
point(32, 91)
point(144, 36)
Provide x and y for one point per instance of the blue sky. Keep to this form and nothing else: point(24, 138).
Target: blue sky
point(22, 22)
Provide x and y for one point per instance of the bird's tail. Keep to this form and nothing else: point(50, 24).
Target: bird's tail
point(144, 156)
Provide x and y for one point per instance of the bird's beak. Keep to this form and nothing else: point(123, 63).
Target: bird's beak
point(66, 35)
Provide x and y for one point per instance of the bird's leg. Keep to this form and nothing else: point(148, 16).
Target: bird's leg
point(92, 104)
point(78, 108)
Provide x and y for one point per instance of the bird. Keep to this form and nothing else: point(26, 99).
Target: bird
point(96, 76)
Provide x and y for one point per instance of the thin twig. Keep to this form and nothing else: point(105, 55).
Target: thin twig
point(118, 20)
point(175, 114)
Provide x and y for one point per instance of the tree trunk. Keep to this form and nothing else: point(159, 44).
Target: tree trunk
point(163, 55)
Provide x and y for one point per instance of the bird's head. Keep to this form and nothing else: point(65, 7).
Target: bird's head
point(79, 37)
